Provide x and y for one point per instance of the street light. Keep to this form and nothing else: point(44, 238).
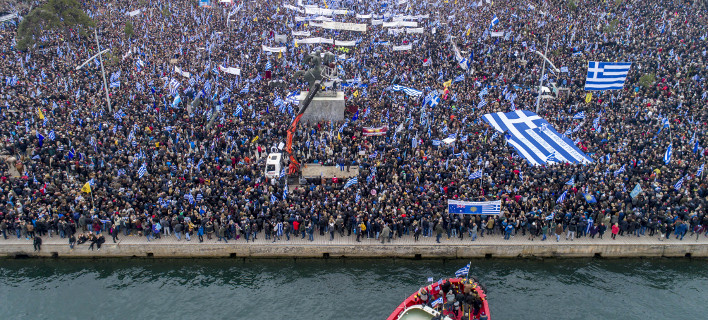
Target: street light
point(543, 73)
point(100, 58)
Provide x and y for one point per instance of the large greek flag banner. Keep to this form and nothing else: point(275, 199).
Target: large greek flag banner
point(534, 138)
point(606, 75)
point(468, 207)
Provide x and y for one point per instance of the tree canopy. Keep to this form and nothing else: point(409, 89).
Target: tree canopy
point(52, 15)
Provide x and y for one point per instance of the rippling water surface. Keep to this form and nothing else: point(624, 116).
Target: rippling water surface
point(344, 289)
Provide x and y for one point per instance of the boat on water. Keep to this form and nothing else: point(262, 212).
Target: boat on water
point(461, 298)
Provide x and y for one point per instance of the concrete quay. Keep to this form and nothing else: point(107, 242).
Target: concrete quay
point(346, 247)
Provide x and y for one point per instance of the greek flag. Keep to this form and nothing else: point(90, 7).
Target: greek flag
point(115, 84)
point(245, 89)
point(407, 90)
point(463, 272)
point(278, 101)
point(374, 80)
point(700, 170)
point(620, 170)
point(606, 75)
point(579, 115)
point(571, 181)
point(482, 103)
point(437, 302)
point(667, 155)
point(142, 171)
point(495, 21)
point(292, 97)
point(282, 173)
point(268, 66)
point(51, 135)
point(273, 199)
point(678, 184)
point(564, 69)
point(459, 78)
point(552, 157)
point(484, 92)
point(285, 192)
point(351, 182)
point(475, 175)
point(562, 197)
point(199, 197)
point(532, 143)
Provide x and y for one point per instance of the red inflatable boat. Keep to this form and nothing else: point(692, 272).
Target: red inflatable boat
point(431, 303)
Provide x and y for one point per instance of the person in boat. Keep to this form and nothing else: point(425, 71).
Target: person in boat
point(422, 296)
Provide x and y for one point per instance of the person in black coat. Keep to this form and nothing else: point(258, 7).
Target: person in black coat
point(37, 243)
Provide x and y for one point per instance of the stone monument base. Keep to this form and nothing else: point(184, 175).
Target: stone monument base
point(328, 106)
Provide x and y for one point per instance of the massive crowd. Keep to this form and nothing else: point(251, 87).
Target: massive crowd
point(195, 168)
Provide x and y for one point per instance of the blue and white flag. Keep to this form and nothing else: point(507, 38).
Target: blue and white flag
point(552, 157)
point(606, 75)
point(351, 182)
point(562, 197)
point(700, 170)
point(667, 155)
point(245, 89)
point(142, 170)
point(475, 175)
point(532, 143)
point(620, 170)
point(463, 272)
point(579, 115)
point(468, 207)
point(407, 90)
point(679, 184)
point(459, 78)
point(374, 80)
point(437, 302)
point(495, 21)
point(273, 199)
point(268, 66)
point(51, 135)
point(571, 182)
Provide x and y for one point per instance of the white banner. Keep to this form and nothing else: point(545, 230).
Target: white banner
point(375, 22)
point(273, 49)
point(396, 24)
point(182, 73)
point(301, 33)
point(235, 71)
point(414, 30)
point(497, 34)
point(403, 48)
point(318, 18)
point(360, 27)
point(323, 11)
point(315, 40)
point(134, 13)
point(363, 16)
point(345, 43)
point(396, 31)
point(280, 38)
point(287, 6)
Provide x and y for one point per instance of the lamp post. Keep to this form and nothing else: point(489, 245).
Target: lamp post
point(100, 58)
point(543, 72)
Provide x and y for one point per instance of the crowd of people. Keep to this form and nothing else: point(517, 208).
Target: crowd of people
point(155, 165)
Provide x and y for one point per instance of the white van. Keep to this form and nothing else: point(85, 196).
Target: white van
point(274, 164)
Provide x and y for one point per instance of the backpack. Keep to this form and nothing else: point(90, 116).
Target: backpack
point(363, 226)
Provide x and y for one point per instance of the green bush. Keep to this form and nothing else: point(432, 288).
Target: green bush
point(129, 30)
point(647, 80)
point(59, 15)
point(572, 5)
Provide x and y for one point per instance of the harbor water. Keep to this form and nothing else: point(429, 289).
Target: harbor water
point(344, 288)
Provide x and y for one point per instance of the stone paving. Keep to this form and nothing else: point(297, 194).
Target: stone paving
point(351, 240)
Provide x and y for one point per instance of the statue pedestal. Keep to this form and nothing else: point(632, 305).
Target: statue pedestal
point(324, 106)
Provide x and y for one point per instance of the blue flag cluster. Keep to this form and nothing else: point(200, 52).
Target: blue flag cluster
point(534, 138)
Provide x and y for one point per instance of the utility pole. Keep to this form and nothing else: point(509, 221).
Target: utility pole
point(105, 85)
point(543, 72)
